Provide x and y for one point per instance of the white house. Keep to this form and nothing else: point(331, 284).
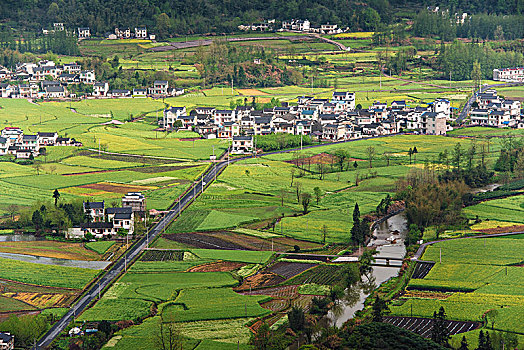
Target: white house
point(84, 33)
point(100, 89)
point(171, 115)
point(242, 145)
point(141, 32)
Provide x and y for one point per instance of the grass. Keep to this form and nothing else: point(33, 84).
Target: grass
point(46, 275)
point(100, 247)
point(227, 330)
point(485, 131)
point(10, 304)
point(221, 303)
point(509, 209)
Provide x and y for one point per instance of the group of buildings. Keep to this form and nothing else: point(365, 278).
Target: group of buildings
point(108, 222)
point(296, 25)
point(25, 146)
point(495, 111)
point(510, 75)
point(333, 119)
point(48, 80)
point(140, 32)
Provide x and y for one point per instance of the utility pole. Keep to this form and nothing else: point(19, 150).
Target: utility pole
point(232, 89)
point(301, 141)
point(440, 255)
point(98, 146)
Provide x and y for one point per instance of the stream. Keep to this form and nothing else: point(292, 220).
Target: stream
point(393, 228)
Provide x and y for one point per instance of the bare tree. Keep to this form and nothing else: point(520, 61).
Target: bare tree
point(12, 210)
point(292, 176)
point(371, 152)
point(38, 168)
point(320, 170)
point(169, 337)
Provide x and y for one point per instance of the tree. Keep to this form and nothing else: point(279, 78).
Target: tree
point(292, 176)
point(355, 165)
point(491, 316)
point(365, 262)
point(410, 153)
point(38, 168)
point(440, 331)
point(341, 156)
point(463, 344)
point(297, 319)
point(318, 194)
point(163, 25)
point(298, 190)
point(380, 307)
point(387, 157)
point(324, 233)
point(56, 196)
point(414, 151)
point(305, 199)
point(359, 229)
point(370, 151)
point(37, 220)
point(12, 209)
point(168, 337)
point(457, 155)
point(476, 74)
point(282, 196)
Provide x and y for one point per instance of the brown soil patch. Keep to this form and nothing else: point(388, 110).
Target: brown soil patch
point(260, 280)
point(116, 188)
point(276, 305)
point(43, 300)
point(251, 92)
point(204, 241)
point(426, 295)
point(282, 292)
point(219, 266)
point(5, 315)
point(514, 228)
point(90, 172)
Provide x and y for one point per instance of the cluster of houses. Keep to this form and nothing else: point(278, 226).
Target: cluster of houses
point(23, 146)
point(120, 33)
point(108, 222)
point(332, 119)
point(495, 111)
point(296, 25)
point(48, 80)
point(510, 75)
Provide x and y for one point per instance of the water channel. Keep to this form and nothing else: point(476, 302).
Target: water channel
point(94, 265)
point(388, 238)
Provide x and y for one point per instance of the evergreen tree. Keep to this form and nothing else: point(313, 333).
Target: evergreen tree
point(440, 331)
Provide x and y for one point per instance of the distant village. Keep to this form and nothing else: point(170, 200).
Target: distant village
point(24, 146)
point(47, 80)
point(140, 32)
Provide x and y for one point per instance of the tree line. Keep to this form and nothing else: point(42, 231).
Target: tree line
point(479, 26)
point(184, 16)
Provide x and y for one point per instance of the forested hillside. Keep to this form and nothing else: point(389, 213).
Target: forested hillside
point(189, 16)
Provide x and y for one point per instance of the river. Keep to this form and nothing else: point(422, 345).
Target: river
point(394, 227)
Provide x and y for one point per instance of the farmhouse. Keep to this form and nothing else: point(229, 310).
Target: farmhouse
point(134, 200)
point(7, 341)
point(99, 229)
point(84, 33)
point(95, 210)
point(509, 74)
point(242, 145)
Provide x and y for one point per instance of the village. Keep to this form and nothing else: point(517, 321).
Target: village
point(48, 80)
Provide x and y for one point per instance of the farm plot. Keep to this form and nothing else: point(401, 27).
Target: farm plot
point(424, 326)
point(281, 292)
point(288, 270)
point(101, 246)
point(221, 303)
point(322, 274)
point(132, 296)
point(252, 257)
point(218, 266)
point(46, 275)
point(203, 241)
point(51, 249)
point(422, 269)
point(260, 280)
point(506, 209)
point(162, 255)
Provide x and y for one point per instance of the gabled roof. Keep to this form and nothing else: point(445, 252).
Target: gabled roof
point(96, 224)
point(5, 337)
point(47, 134)
point(123, 216)
point(242, 138)
point(119, 210)
point(94, 205)
point(54, 89)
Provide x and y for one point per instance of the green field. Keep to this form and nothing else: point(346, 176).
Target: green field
point(221, 303)
point(46, 275)
point(507, 209)
point(482, 267)
point(100, 247)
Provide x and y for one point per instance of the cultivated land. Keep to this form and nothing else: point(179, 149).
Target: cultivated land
point(477, 275)
point(224, 236)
